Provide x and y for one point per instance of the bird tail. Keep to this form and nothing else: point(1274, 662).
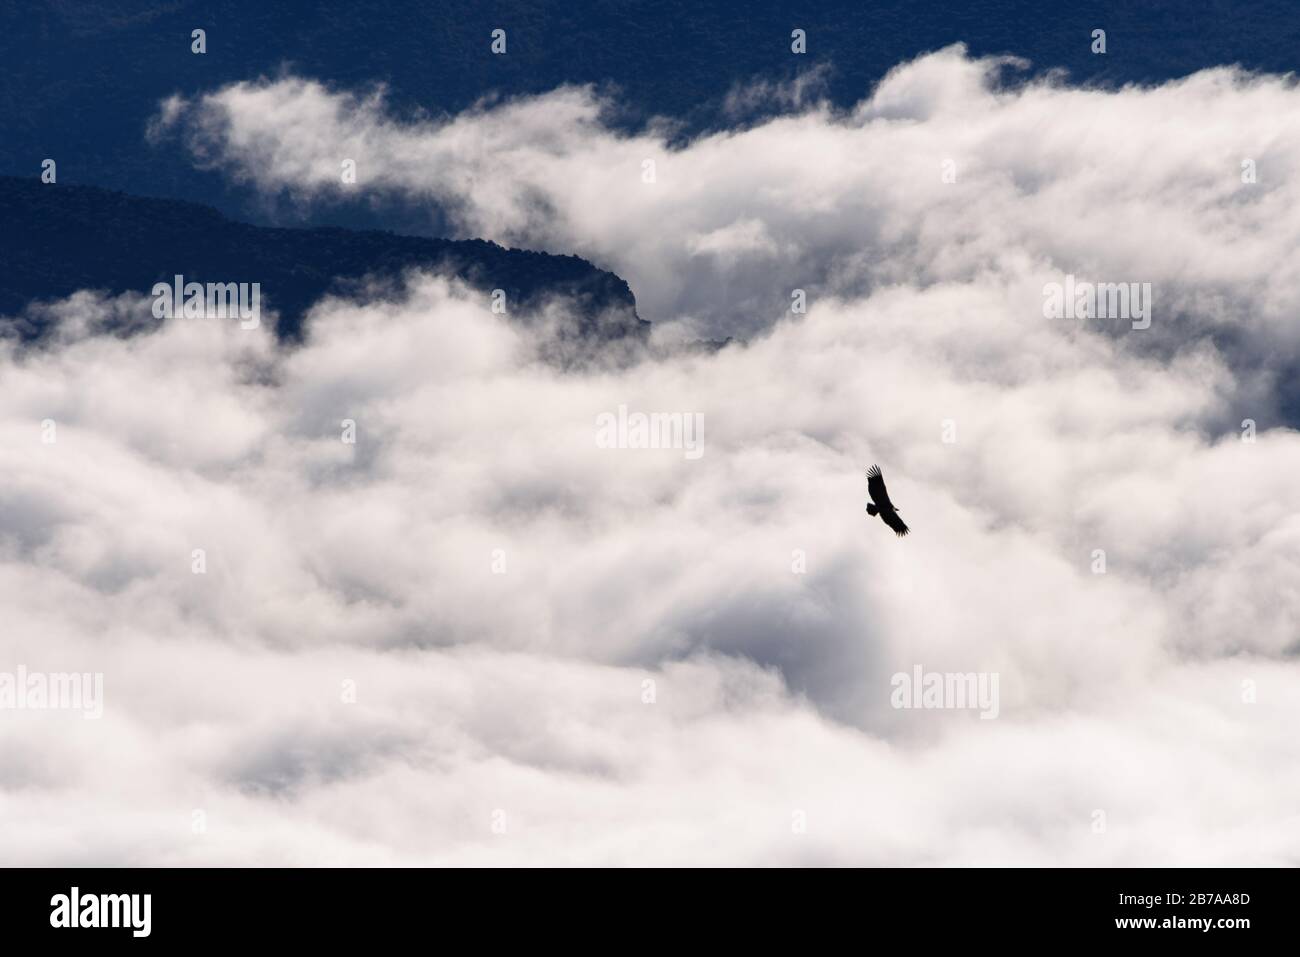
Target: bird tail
point(872, 510)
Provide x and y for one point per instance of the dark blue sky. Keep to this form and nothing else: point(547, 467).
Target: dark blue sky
point(81, 78)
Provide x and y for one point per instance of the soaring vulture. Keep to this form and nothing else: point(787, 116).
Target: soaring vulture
point(882, 506)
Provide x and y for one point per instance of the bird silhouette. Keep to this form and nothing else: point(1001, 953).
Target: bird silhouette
point(881, 505)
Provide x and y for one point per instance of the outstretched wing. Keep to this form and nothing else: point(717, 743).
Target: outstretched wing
point(876, 488)
point(890, 518)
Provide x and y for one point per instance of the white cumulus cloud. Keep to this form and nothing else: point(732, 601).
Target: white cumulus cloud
point(563, 653)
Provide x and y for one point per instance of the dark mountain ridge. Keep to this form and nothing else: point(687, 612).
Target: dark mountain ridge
point(57, 239)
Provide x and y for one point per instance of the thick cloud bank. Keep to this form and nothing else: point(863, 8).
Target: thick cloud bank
point(475, 635)
point(944, 174)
